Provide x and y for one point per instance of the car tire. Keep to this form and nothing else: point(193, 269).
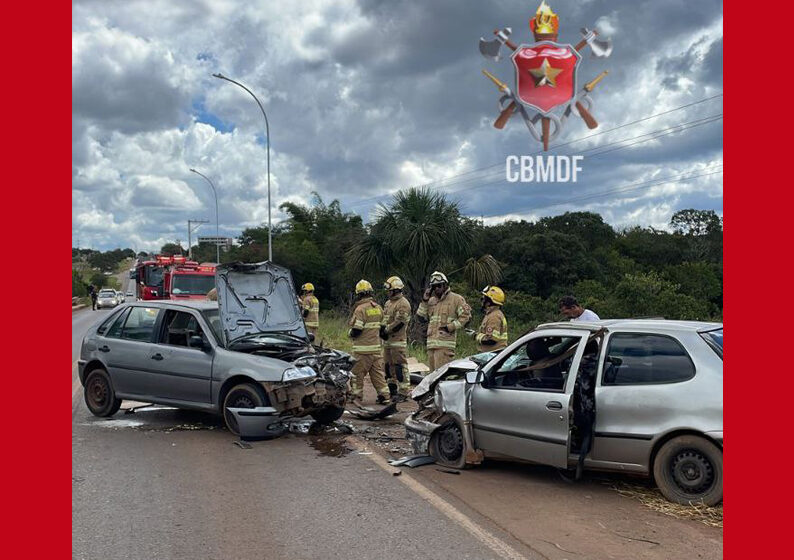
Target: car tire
point(98, 393)
point(328, 414)
point(244, 395)
point(688, 470)
point(448, 446)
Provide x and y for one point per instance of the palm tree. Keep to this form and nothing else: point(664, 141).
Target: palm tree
point(418, 232)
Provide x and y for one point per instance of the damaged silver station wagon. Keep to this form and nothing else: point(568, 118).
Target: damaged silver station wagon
point(248, 356)
point(637, 396)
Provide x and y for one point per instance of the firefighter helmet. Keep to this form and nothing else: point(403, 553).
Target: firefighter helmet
point(363, 287)
point(307, 287)
point(495, 294)
point(438, 278)
point(393, 283)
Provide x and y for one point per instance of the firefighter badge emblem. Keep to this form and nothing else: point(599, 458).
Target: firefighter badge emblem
point(546, 76)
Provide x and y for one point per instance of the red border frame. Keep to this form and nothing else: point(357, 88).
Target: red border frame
point(38, 448)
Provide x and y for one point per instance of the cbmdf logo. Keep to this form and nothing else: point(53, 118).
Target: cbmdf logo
point(547, 77)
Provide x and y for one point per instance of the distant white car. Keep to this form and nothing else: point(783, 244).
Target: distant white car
point(130, 294)
point(106, 298)
point(120, 297)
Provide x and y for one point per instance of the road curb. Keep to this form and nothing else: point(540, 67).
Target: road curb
point(76, 307)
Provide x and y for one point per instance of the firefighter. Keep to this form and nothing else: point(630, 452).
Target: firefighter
point(396, 314)
point(492, 334)
point(365, 325)
point(446, 312)
point(311, 308)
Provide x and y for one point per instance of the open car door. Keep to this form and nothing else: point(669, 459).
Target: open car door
point(521, 409)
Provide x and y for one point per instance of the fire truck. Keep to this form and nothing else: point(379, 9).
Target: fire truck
point(173, 278)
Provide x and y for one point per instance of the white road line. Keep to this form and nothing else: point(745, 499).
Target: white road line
point(498, 546)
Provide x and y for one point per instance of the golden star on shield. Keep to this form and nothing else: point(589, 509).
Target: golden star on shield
point(545, 74)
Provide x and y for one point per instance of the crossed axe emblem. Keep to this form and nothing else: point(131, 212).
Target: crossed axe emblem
point(550, 125)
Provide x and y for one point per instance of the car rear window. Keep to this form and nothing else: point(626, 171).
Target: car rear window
point(714, 339)
point(639, 359)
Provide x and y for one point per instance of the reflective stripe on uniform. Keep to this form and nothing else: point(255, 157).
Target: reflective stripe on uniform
point(440, 344)
point(402, 344)
point(457, 324)
point(362, 349)
point(312, 324)
point(358, 324)
point(422, 310)
point(372, 325)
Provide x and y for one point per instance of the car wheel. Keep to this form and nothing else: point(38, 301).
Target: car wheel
point(245, 395)
point(328, 414)
point(447, 446)
point(688, 470)
point(99, 395)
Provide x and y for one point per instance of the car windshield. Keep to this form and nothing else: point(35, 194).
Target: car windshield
point(192, 284)
point(103, 293)
point(213, 318)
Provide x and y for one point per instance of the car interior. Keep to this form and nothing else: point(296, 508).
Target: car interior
point(179, 327)
point(542, 363)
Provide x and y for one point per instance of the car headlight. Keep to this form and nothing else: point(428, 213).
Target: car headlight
point(293, 374)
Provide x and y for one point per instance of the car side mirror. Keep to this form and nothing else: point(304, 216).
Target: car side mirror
point(473, 377)
point(197, 341)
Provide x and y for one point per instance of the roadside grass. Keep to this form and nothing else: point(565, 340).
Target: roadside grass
point(651, 497)
point(333, 333)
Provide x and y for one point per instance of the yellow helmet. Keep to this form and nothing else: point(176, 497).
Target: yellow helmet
point(307, 287)
point(393, 283)
point(495, 294)
point(363, 286)
point(438, 278)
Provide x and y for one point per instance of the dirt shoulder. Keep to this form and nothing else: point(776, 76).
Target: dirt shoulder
point(600, 516)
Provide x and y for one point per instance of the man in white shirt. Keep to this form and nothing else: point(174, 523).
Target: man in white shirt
point(570, 307)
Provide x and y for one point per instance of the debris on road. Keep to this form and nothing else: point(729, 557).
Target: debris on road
point(242, 444)
point(448, 471)
point(412, 461)
point(368, 413)
point(652, 498)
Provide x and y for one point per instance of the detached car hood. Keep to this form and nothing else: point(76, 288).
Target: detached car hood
point(257, 298)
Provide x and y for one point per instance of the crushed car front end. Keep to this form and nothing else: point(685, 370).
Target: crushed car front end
point(442, 425)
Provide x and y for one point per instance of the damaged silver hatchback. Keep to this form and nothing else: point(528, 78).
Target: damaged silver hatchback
point(247, 357)
point(637, 396)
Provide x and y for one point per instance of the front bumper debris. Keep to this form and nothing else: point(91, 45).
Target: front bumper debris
point(262, 422)
point(418, 433)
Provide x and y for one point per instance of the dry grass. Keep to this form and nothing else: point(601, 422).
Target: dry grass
point(652, 498)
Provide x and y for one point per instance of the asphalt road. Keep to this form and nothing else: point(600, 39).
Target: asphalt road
point(164, 483)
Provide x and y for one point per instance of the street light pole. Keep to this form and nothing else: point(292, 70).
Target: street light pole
point(267, 132)
point(217, 235)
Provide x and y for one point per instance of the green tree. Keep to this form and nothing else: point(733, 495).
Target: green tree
point(78, 286)
point(418, 232)
point(170, 249)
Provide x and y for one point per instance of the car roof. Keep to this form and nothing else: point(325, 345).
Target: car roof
point(199, 305)
point(635, 325)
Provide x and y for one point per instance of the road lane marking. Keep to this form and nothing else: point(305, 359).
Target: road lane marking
point(498, 546)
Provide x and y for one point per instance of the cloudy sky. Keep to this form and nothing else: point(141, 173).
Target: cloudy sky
point(368, 96)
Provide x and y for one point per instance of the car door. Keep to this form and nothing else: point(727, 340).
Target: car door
point(522, 408)
point(646, 385)
point(183, 372)
point(127, 346)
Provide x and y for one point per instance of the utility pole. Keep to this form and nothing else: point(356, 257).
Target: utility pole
point(191, 230)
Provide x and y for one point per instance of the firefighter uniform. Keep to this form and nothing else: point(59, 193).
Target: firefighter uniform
point(492, 335)
point(450, 311)
point(396, 315)
point(366, 319)
point(310, 306)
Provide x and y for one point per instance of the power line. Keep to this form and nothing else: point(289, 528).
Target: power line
point(630, 123)
point(653, 135)
point(626, 188)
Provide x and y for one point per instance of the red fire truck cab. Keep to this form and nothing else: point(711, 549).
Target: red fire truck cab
point(174, 278)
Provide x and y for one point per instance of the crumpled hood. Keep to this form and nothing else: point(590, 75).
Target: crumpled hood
point(257, 298)
point(430, 380)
